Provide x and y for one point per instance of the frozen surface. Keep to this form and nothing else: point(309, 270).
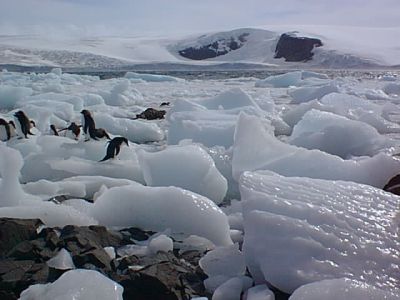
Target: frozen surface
point(192, 168)
point(62, 261)
point(269, 153)
point(315, 229)
point(76, 285)
point(232, 288)
point(332, 289)
point(338, 135)
point(260, 292)
point(227, 261)
point(160, 208)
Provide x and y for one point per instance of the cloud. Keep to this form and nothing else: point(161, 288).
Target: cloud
point(133, 17)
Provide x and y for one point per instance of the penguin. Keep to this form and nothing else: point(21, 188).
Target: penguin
point(5, 131)
point(12, 128)
point(53, 130)
point(23, 124)
point(114, 146)
point(73, 131)
point(89, 126)
point(164, 104)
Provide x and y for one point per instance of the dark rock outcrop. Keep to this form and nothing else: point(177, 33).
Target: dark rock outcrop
point(25, 253)
point(151, 114)
point(296, 49)
point(214, 49)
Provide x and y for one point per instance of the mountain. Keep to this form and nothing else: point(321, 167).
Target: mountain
point(278, 47)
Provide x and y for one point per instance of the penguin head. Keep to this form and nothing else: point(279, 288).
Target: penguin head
point(11, 123)
point(125, 140)
point(85, 112)
point(33, 124)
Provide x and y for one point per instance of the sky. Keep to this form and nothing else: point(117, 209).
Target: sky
point(168, 17)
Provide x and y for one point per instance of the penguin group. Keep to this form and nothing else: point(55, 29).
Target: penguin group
point(21, 126)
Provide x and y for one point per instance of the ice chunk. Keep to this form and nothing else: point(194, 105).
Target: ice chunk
point(260, 292)
point(51, 214)
point(76, 285)
point(134, 130)
point(152, 77)
point(281, 81)
point(62, 261)
point(232, 289)
point(305, 94)
point(392, 88)
point(160, 208)
point(160, 243)
point(111, 252)
point(192, 168)
point(256, 149)
point(10, 95)
point(207, 127)
point(338, 135)
point(229, 99)
point(318, 229)
point(227, 261)
point(342, 288)
point(11, 192)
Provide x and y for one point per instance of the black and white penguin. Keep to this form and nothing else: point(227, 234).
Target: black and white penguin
point(5, 131)
point(23, 124)
point(114, 146)
point(53, 130)
point(89, 127)
point(12, 128)
point(73, 131)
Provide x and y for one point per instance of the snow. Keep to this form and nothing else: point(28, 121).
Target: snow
point(76, 285)
point(373, 46)
point(315, 229)
point(341, 288)
point(193, 170)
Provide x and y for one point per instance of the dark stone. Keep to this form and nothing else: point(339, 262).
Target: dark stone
point(151, 114)
point(82, 239)
point(15, 231)
point(7, 295)
point(393, 185)
point(296, 49)
point(97, 257)
point(162, 276)
point(125, 262)
point(131, 234)
point(214, 49)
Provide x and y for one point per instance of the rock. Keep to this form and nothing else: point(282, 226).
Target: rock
point(151, 114)
point(15, 231)
point(214, 49)
point(296, 49)
point(393, 186)
point(96, 257)
point(135, 234)
point(78, 239)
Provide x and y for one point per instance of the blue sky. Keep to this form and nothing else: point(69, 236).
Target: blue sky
point(158, 17)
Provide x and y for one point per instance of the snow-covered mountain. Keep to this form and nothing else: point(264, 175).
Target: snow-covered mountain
point(339, 47)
